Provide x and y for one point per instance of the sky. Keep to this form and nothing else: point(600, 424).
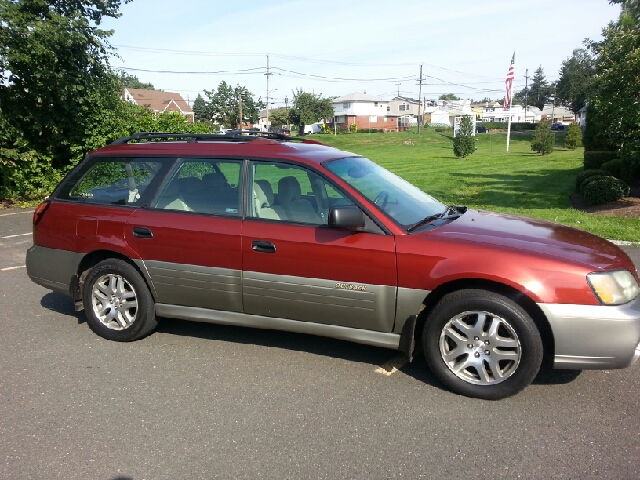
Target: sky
point(334, 48)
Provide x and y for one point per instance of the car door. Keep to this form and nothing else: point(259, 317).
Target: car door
point(296, 267)
point(189, 239)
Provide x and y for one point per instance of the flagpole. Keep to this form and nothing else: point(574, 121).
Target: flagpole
point(510, 115)
point(510, 76)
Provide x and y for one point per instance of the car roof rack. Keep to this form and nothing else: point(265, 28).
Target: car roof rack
point(229, 136)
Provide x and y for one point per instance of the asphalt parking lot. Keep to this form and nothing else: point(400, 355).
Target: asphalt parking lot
point(206, 401)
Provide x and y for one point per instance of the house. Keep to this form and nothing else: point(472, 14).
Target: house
point(446, 111)
point(581, 117)
point(560, 114)
point(158, 101)
point(407, 110)
point(496, 113)
point(365, 111)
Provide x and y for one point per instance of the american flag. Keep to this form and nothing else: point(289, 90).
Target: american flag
point(509, 82)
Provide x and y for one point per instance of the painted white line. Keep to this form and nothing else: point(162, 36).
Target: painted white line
point(392, 366)
point(17, 235)
point(6, 269)
point(15, 213)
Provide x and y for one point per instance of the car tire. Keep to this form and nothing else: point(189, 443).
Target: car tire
point(481, 344)
point(117, 302)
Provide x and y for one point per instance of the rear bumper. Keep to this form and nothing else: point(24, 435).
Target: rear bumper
point(594, 336)
point(52, 268)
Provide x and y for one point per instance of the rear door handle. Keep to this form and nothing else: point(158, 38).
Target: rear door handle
point(263, 246)
point(142, 232)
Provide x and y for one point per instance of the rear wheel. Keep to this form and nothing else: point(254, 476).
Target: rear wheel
point(481, 344)
point(117, 302)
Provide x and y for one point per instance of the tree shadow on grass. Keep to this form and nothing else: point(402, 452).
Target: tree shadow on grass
point(540, 190)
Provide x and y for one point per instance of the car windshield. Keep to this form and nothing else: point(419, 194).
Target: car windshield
point(405, 204)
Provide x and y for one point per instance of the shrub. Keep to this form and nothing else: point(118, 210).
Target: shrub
point(496, 125)
point(612, 167)
point(587, 174)
point(522, 126)
point(464, 143)
point(630, 165)
point(599, 190)
point(369, 130)
point(574, 137)
point(595, 158)
point(353, 128)
point(543, 138)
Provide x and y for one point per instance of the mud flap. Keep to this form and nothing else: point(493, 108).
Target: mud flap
point(407, 337)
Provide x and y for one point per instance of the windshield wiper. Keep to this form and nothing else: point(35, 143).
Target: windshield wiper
point(451, 212)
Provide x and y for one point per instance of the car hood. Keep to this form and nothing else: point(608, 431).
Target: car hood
point(538, 236)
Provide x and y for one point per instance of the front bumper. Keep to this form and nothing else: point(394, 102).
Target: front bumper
point(594, 336)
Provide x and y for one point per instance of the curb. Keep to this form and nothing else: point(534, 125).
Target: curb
point(622, 243)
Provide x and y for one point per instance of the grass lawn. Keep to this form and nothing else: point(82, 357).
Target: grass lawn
point(519, 182)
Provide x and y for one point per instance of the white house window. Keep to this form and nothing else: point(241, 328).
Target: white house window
point(388, 108)
point(340, 119)
point(346, 105)
point(373, 118)
point(375, 104)
point(403, 107)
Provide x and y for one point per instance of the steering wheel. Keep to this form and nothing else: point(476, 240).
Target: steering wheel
point(381, 199)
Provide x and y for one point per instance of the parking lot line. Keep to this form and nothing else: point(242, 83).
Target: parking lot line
point(392, 366)
point(6, 269)
point(17, 235)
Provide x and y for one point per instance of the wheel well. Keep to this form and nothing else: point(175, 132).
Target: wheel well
point(513, 294)
point(91, 260)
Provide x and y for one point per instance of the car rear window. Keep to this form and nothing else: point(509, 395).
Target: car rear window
point(120, 181)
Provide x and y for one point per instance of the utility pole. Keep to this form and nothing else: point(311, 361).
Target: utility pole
point(526, 92)
point(240, 113)
point(553, 107)
point(268, 74)
point(419, 97)
point(398, 84)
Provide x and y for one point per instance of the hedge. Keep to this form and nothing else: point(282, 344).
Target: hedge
point(613, 167)
point(599, 190)
point(587, 174)
point(595, 158)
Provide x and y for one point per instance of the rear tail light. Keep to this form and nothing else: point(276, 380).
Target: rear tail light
point(39, 213)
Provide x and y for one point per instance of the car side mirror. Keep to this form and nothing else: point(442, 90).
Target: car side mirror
point(347, 217)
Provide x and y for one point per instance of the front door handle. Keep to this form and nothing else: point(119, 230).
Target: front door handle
point(263, 246)
point(142, 232)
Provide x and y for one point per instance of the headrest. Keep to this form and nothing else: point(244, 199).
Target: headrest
point(259, 196)
point(214, 180)
point(267, 190)
point(190, 184)
point(288, 189)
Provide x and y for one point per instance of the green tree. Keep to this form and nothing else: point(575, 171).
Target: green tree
point(575, 79)
point(613, 112)
point(279, 117)
point(131, 81)
point(464, 143)
point(223, 105)
point(308, 108)
point(539, 91)
point(448, 96)
point(54, 72)
point(574, 137)
point(200, 110)
point(543, 138)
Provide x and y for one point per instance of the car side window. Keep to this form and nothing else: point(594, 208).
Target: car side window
point(113, 181)
point(289, 193)
point(203, 186)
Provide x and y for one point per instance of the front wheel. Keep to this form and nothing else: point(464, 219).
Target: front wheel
point(481, 344)
point(117, 302)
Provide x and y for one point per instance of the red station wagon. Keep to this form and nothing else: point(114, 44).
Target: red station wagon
point(270, 231)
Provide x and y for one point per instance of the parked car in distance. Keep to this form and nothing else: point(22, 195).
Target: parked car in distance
point(284, 131)
point(557, 126)
point(256, 230)
point(481, 129)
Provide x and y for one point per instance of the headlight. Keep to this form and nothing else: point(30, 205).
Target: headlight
point(614, 288)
